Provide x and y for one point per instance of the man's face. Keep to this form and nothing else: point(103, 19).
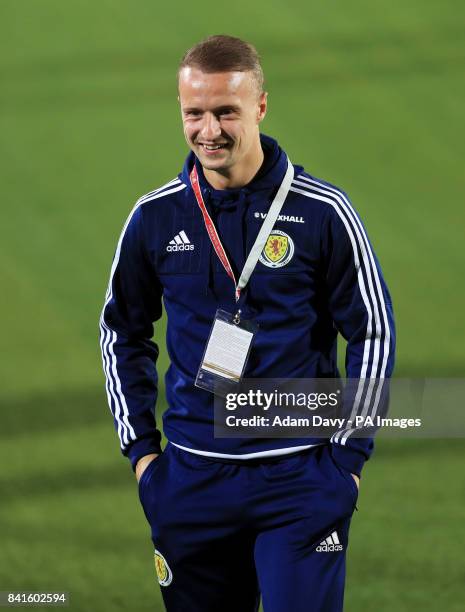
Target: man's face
point(221, 113)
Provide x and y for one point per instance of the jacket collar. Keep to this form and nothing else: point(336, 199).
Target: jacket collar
point(268, 177)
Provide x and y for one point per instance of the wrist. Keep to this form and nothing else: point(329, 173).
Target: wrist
point(142, 447)
point(142, 464)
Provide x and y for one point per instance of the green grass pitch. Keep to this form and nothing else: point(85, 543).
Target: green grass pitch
point(364, 95)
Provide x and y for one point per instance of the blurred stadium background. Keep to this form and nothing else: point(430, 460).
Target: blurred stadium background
point(369, 96)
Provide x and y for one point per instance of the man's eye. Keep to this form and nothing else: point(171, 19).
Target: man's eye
point(192, 114)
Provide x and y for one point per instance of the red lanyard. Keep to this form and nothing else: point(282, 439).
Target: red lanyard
point(263, 234)
point(211, 229)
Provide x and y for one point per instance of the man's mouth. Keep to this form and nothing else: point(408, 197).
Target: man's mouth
point(213, 147)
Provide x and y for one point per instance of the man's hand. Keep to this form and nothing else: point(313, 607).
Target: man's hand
point(357, 480)
point(142, 464)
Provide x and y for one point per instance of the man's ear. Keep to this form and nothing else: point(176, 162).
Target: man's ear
point(262, 106)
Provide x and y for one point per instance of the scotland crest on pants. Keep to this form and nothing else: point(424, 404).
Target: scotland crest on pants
point(164, 573)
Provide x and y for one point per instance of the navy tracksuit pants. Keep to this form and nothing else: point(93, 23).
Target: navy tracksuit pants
point(226, 532)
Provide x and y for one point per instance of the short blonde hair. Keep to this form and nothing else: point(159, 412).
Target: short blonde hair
point(223, 53)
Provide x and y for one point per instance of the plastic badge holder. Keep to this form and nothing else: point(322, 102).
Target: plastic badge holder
point(226, 353)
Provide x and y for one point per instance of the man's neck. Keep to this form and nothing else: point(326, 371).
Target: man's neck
point(240, 174)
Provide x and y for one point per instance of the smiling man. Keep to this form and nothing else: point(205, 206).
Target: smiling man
point(241, 239)
point(221, 114)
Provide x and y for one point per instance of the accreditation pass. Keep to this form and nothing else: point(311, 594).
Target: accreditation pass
point(227, 350)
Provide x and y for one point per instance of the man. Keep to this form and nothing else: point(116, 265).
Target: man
point(232, 517)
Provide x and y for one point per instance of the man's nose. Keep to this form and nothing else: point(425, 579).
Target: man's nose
point(211, 127)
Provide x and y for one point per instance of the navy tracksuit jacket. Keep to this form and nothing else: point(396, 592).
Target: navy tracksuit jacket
point(332, 283)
